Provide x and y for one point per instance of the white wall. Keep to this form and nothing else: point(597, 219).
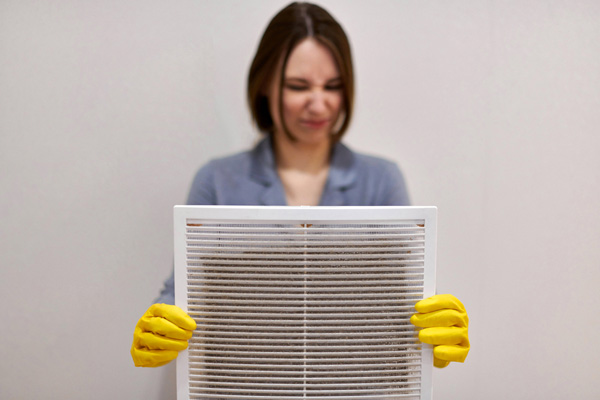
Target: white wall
point(108, 108)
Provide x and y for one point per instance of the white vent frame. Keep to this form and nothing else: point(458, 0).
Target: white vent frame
point(192, 216)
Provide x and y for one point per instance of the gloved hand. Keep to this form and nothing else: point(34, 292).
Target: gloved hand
point(446, 326)
point(160, 334)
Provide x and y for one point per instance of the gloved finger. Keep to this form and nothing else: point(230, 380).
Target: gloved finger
point(451, 353)
point(164, 327)
point(152, 358)
point(443, 335)
point(440, 318)
point(151, 341)
point(440, 363)
point(439, 302)
point(174, 314)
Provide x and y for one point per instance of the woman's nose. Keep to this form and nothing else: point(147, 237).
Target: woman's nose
point(317, 102)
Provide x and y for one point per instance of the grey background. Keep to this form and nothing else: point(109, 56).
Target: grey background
point(108, 108)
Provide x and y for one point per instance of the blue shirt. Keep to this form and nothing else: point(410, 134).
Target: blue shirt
point(250, 178)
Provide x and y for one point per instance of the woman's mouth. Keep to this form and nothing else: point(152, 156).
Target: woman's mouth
point(315, 123)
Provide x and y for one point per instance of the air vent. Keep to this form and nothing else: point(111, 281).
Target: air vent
point(304, 302)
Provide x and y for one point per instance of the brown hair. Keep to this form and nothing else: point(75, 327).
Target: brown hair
point(289, 27)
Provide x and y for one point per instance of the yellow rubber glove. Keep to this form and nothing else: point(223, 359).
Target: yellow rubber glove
point(446, 326)
point(159, 336)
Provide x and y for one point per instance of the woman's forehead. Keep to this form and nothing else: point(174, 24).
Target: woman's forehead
point(310, 58)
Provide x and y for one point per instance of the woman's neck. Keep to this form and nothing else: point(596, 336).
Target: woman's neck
point(303, 170)
point(301, 157)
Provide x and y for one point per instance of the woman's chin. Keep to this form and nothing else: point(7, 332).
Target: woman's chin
point(314, 140)
point(314, 137)
point(306, 137)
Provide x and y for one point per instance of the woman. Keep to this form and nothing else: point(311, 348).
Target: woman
point(300, 93)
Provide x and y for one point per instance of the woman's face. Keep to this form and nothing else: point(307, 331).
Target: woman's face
point(312, 95)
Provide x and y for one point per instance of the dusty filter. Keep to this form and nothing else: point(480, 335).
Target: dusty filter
point(304, 302)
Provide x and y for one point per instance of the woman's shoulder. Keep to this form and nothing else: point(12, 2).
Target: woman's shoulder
point(214, 178)
point(372, 180)
point(235, 163)
point(366, 163)
point(376, 162)
point(239, 178)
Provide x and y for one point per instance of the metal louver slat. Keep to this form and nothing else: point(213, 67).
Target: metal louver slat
point(304, 302)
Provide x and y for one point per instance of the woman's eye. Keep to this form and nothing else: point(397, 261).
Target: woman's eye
point(296, 88)
point(300, 87)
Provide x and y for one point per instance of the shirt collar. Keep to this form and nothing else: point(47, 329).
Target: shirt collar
point(263, 168)
point(342, 171)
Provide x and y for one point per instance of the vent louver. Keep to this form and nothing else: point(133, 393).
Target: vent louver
point(304, 302)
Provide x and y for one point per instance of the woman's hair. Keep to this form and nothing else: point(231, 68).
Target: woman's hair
point(288, 28)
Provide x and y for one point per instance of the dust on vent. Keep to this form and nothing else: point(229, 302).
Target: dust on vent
point(304, 302)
